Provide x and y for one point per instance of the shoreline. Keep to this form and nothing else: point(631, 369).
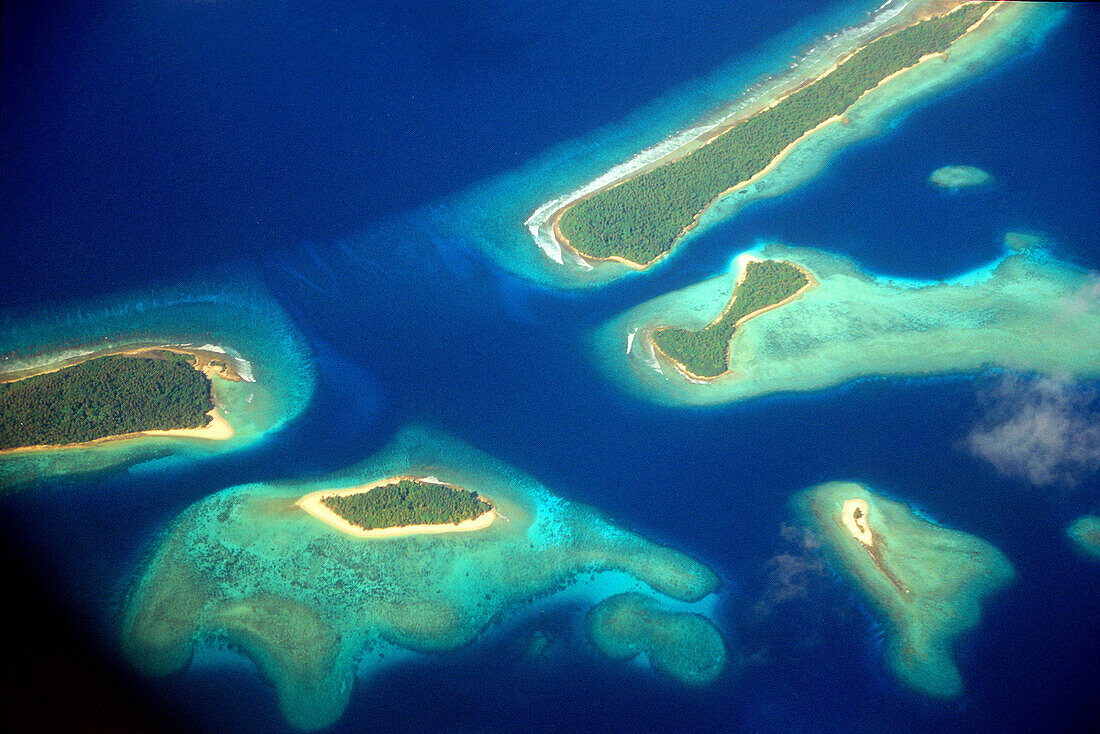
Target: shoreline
point(218, 429)
point(312, 504)
point(811, 282)
point(722, 127)
point(851, 523)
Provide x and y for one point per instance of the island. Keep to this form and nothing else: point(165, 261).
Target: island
point(684, 646)
point(318, 609)
point(399, 506)
point(924, 582)
point(762, 285)
point(1085, 534)
point(174, 374)
point(637, 219)
point(1025, 311)
point(955, 178)
point(146, 391)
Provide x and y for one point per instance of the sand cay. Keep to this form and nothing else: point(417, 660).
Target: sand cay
point(925, 583)
point(313, 503)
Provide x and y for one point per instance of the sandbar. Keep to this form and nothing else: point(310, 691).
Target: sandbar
point(854, 516)
point(924, 582)
point(313, 504)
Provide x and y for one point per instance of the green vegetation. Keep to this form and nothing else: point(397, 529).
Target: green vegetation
point(706, 352)
point(407, 502)
point(641, 218)
point(106, 396)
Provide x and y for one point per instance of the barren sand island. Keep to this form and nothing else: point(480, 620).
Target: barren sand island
point(924, 582)
point(314, 504)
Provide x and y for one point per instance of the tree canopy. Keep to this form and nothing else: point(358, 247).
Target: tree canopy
point(706, 352)
point(640, 218)
point(105, 396)
point(407, 502)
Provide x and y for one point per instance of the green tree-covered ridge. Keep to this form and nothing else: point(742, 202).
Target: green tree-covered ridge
point(705, 353)
point(640, 219)
point(407, 502)
point(105, 396)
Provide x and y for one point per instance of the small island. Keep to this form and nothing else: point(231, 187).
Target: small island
point(1085, 534)
point(400, 506)
point(763, 285)
point(154, 391)
point(636, 220)
point(955, 178)
point(321, 612)
point(686, 647)
point(847, 324)
point(925, 583)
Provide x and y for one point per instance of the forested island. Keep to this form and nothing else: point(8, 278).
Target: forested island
point(105, 396)
point(705, 353)
point(407, 502)
point(639, 219)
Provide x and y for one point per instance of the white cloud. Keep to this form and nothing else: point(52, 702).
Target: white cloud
point(1040, 429)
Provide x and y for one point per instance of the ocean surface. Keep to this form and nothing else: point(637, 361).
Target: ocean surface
point(317, 150)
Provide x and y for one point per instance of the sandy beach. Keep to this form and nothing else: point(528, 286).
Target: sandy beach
point(858, 527)
point(312, 504)
point(721, 128)
point(218, 429)
point(211, 364)
point(744, 264)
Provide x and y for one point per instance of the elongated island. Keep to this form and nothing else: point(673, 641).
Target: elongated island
point(924, 582)
point(154, 391)
point(636, 220)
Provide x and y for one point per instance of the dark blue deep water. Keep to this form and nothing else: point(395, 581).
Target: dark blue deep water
point(156, 143)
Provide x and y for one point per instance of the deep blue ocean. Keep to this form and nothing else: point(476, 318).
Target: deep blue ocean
point(149, 144)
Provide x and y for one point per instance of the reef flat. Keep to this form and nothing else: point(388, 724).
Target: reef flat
point(925, 583)
point(958, 177)
point(624, 243)
point(684, 646)
point(311, 604)
point(260, 372)
point(1085, 534)
point(1026, 311)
